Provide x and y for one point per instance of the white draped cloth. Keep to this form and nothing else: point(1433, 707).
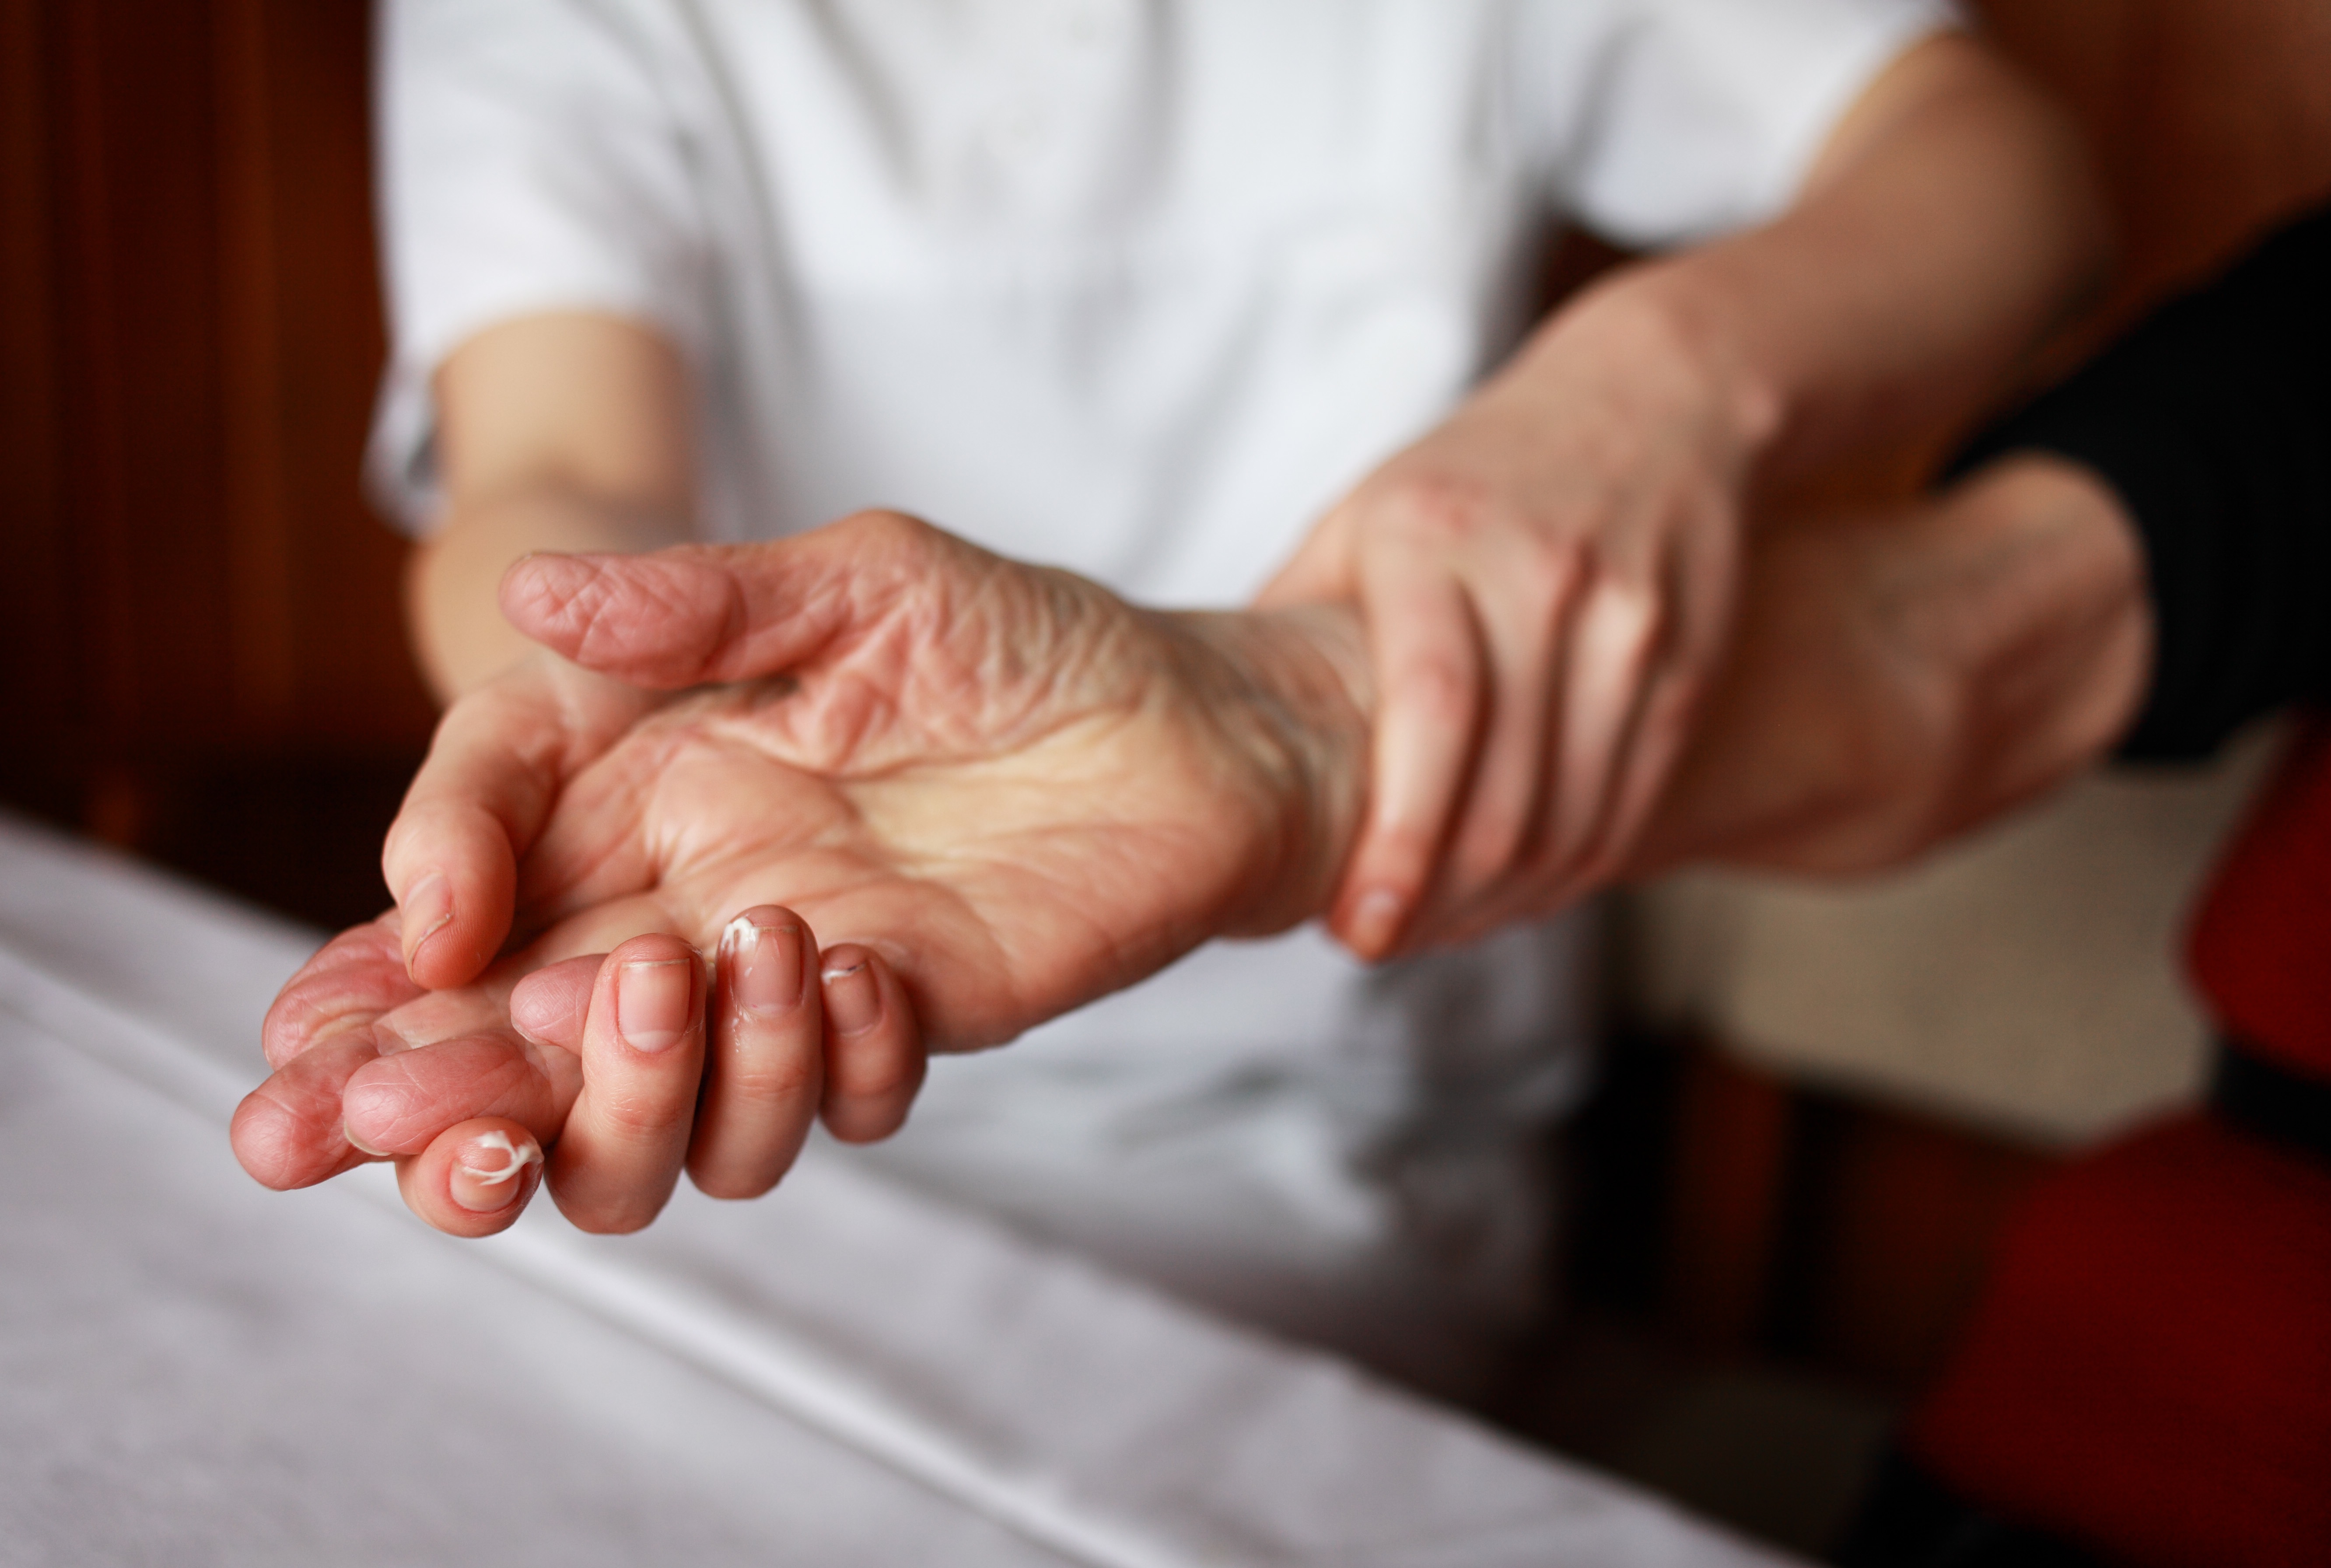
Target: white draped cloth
point(197, 1371)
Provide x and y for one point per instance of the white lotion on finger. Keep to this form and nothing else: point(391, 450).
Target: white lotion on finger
point(519, 1159)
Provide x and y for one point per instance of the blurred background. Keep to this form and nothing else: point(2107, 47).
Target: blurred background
point(1820, 1109)
point(200, 654)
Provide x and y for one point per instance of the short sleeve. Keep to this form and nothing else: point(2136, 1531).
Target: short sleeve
point(1703, 116)
point(529, 161)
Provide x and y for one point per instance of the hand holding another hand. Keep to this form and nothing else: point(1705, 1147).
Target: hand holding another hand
point(1546, 582)
point(996, 791)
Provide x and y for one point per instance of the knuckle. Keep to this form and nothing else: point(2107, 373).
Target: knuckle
point(637, 1118)
point(1540, 568)
point(1436, 680)
point(876, 1075)
point(1439, 509)
point(868, 1074)
point(768, 1083)
point(888, 531)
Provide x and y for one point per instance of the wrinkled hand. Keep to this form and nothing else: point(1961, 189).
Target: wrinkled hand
point(1899, 678)
point(999, 790)
point(1545, 581)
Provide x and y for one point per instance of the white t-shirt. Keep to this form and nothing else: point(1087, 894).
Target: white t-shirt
point(1133, 287)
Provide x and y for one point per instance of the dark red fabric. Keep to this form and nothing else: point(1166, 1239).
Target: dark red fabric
point(2150, 1371)
point(2261, 944)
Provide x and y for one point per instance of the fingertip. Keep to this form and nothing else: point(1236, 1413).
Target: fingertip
point(287, 1133)
point(449, 859)
point(656, 985)
point(550, 1006)
point(494, 1167)
point(455, 929)
point(475, 1178)
point(1370, 922)
point(427, 911)
point(385, 1115)
point(875, 1060)
point(538, 586)
point(654, 620)
point(396, 1105)
point(274, 1146)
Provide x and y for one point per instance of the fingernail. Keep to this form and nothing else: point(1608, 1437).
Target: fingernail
point(652, 999)
point(852, 1000)
point(357, 1143)
point(765, 965)
point(1375, 920)
point(487, 1172)
point(428, 909)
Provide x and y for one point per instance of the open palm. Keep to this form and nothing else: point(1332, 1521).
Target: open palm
point(1005, 788)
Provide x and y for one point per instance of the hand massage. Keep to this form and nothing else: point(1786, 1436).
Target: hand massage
point(1230, 315)
point(1027, 599)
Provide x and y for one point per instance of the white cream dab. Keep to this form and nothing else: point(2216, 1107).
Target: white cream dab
point(519, 1160)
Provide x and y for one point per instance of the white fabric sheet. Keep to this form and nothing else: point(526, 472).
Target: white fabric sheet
point(194, 1370)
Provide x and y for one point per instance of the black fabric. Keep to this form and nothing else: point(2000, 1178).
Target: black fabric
point(2213, 422)
point(2270, 1101)
point(1908, 1519)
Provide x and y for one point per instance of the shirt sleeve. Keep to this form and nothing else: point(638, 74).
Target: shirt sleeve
point(2211, 422)
point(529, 161)
point(1703, 116)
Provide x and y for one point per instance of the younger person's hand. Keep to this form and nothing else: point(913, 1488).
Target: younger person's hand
point(1545, 582)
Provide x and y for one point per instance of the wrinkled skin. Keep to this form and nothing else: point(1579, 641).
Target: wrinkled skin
point(1153, 779)
point(992, 792)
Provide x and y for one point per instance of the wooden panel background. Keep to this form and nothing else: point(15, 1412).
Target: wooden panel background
point(200, 651)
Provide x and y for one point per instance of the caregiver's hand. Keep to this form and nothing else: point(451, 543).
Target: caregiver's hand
point(1014, 792)
point(1546, 581)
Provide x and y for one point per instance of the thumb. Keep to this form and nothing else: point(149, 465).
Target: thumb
point(681, 616)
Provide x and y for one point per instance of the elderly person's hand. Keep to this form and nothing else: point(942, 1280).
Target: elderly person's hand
point(1899, 678)
point(1001, 790)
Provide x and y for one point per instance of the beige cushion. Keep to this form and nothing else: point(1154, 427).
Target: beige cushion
point(2027, 981)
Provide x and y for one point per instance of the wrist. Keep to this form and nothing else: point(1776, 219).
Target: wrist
point(1290, 689)
point(1674, 333)
point(2053, 642)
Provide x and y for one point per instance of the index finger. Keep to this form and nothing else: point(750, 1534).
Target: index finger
point(1424, 645)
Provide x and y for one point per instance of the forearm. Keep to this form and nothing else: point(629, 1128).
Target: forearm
point(1950, 220)
point(451, 586)
point(1900, 679)
point(562, 432)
